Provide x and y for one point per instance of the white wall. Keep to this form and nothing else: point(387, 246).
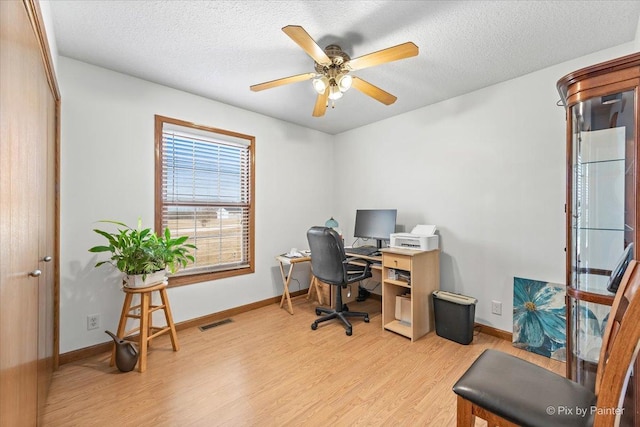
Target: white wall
point(637, 39)
point(107, 172)
point(45, 8)
point(488, 168)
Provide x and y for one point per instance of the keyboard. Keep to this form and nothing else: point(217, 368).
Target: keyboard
point(362, 250)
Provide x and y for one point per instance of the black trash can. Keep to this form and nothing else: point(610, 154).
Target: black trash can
point(454, 315)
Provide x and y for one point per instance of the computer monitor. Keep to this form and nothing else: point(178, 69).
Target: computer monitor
point(375, 224)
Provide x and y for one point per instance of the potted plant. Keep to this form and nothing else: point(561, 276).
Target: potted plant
point(142, 255)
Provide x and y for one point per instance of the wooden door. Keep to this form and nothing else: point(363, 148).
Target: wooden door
point(47, 254)
point(27, 215)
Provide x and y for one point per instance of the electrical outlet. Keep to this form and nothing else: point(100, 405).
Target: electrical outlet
point(496, 307)
point(93, 321)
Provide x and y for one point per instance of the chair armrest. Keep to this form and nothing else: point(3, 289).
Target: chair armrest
point(365, 271)
point(356, 258)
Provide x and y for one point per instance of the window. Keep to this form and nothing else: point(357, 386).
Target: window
point(204, 189)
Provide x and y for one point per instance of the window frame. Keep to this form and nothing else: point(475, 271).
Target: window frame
point(198, 277)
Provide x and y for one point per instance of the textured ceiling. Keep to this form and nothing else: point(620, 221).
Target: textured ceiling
point(218, 49)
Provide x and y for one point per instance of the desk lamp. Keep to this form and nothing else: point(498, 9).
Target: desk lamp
point(333, 224)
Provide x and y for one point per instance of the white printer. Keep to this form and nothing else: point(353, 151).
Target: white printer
point(422, 237)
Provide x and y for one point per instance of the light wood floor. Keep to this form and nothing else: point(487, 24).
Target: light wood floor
point(268, 368)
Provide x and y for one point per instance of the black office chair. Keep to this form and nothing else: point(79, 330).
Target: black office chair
point(330, 265)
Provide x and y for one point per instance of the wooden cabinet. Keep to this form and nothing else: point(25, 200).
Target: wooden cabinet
point(29, 117)
point(602, 204)
point(415, 274)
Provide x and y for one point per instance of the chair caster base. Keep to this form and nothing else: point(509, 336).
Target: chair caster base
point(349, 332)
point(318, 313)
point(314, 326)
point(366, 320)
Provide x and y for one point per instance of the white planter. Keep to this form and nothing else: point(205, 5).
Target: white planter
point(135, 281)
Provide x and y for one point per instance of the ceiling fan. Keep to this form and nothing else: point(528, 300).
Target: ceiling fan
point(332, 67)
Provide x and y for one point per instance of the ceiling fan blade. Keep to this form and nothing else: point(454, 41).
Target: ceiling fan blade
point(280, 82)
point(401, 51)
point(321, 104)
point(304, 40)
point(373, 91)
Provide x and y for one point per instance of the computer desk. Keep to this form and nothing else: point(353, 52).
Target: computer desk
point(376, 270)
point(415, 293)
point(377, 260)
point(421, 266)
point(314, 285)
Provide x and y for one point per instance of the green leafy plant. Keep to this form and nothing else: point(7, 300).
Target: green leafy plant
point(142, 251)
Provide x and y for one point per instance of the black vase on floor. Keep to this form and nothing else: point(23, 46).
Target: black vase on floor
point(126, 354)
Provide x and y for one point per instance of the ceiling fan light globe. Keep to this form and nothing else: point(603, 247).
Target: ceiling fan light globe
point(344, 82)
point(334, 93)
point(320, 84)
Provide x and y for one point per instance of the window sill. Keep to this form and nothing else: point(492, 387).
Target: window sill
point(206, 277)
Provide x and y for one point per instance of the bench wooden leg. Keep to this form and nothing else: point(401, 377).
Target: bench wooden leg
point(465, 417)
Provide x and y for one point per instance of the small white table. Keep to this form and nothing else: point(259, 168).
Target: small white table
point(286, 278)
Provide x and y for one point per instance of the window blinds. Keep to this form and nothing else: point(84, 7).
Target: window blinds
point(206, 196)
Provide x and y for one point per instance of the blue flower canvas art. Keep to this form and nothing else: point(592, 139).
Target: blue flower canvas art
point(539, 317)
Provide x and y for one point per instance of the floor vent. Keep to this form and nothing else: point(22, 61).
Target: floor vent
point(214, 324)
